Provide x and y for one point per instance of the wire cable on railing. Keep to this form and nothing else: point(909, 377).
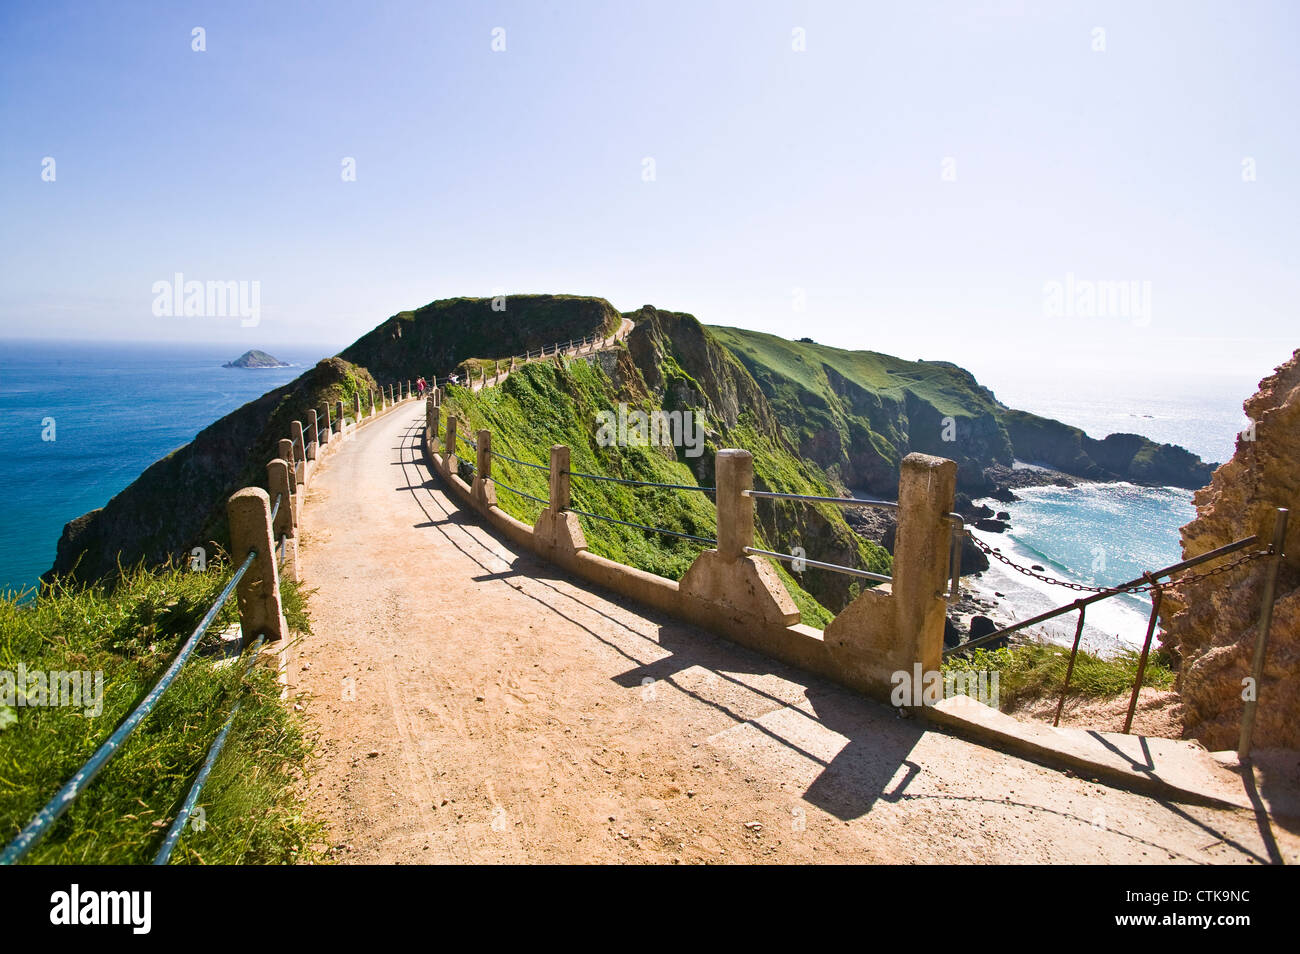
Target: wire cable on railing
point(809, 498)
point(851, 571)
point(56, 806)
point(541, 500)
point(178, 825)
point(276, 507)
point(522, 463)
point(640, 483)
point(640, 526)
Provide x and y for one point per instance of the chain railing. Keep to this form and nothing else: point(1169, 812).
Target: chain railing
point(1149, 582)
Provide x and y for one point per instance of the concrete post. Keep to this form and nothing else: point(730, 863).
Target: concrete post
point(356, 416)
point(248, 513)
point(279, 483)
point(449, 448)
point(926, 488)
point(560, 486)
point(484, 462)
point(735, 475)
point(326, 426)
point(431, 424)
point(300, 453)
point(485, 491)
point(338, 412)
point(313, 435)
point(390, 394)
point(285, 448)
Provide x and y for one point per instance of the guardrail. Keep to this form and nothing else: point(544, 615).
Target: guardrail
point(730, 586)
point(261, 527)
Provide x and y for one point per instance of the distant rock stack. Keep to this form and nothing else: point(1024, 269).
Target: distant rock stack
point(1215, 621)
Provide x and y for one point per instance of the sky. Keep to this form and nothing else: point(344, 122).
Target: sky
point(973, 182)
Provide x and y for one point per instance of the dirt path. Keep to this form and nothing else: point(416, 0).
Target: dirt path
point(473, 704)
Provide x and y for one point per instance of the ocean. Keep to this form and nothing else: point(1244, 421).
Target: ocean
point(1102, 534)
point(79, 422)
point(113, 409)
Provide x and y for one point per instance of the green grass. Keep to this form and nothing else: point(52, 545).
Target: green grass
point(1030, 671)
point(130, 631)
point(551, 402)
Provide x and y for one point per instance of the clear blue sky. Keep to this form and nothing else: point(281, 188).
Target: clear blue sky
point(775, 169)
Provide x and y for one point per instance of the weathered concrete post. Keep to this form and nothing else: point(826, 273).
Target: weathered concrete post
point(390, 394)
point(299, 453)
point(279, 484)
point(338, 412)
point(745, 587)
point(892, 635)
point(248, 512)
point(557, 532)
point(286, 454)
point(560, 486)
point(449, 448)
point(313, 435)
point(926, 489)
point(326, 426)
point(356, 417)
point(485, 491)
point(431, 424)
point(735, 475)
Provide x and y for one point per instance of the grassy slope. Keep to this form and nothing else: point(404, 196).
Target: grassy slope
point(131, 633)
point(545, 404)
point(858, 412)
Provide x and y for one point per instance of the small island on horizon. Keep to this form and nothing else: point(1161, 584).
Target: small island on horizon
point(256, 359)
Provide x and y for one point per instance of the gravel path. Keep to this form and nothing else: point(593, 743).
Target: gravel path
point(474, 704)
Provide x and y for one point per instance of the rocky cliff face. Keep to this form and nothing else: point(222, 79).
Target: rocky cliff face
point(858, 413)
point(1212, 624)
point(682, 366)
point(1130, 457)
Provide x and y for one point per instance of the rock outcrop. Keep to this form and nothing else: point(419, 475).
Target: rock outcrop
point(1130, 457)
point(255, 359)
point(1212, 624)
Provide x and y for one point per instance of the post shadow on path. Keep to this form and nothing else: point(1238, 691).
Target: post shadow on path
point(879, 742)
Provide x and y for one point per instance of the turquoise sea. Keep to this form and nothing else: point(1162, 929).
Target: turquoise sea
point(1103, 534)
point(112, 410)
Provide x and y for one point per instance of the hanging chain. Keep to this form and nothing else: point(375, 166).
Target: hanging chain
point(1084, 588)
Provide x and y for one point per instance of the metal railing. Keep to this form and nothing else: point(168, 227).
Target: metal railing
point(43, 820)
point(1150, 583)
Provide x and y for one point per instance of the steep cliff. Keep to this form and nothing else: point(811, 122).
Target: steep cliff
point(436, 338)
point(179, 502)
point(1212, 624)
point(684, 366)
point(858, 413)
point(1131, 457)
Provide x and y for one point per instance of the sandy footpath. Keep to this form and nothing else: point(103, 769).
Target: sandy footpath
point(473, 704)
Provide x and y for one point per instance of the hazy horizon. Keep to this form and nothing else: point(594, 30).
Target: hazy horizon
point(1093, 184)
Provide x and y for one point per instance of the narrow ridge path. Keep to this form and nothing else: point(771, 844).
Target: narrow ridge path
point(474, 704)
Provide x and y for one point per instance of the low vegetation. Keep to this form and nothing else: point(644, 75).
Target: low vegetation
point(549, 403)
point(130, 631)
point(1034, 670)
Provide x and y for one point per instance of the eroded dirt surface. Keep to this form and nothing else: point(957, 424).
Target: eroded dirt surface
point(473, 704)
